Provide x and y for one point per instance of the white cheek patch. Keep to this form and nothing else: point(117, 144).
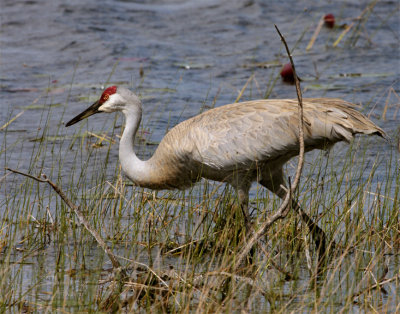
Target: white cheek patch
point(112, 104)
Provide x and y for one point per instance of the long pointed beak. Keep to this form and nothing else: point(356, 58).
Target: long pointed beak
point(87, 113)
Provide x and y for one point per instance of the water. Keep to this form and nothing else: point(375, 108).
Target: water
point(56, 56)
point(196, 49)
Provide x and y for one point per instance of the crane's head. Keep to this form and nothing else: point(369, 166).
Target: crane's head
point(112, 99)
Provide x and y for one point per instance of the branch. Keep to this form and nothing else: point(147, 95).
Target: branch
point(374, 286)
point(285, 206)
point(81, 218)
point(300, 164)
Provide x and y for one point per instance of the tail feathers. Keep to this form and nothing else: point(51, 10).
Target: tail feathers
point(356, 123)
point(347, 129)
point(377, 131)
point(345, 120)
point(363, 125)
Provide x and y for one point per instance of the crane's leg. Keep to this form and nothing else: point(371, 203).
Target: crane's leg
point(274, 181)
point(242, 188)
point(242, 185)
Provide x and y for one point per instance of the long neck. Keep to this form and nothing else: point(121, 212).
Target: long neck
point(136, 170)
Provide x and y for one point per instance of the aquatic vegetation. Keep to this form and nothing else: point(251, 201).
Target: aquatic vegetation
point(172, 251)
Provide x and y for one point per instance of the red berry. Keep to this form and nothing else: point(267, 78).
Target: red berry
point(287, 73)
point(329, 20)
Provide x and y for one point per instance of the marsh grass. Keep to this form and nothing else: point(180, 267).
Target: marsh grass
point(178, 245)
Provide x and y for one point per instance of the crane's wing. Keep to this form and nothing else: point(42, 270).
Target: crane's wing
point(243, 133)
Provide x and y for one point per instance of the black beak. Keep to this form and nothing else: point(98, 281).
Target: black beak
point(87, 113)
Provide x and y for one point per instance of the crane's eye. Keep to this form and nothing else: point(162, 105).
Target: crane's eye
point(105, 97)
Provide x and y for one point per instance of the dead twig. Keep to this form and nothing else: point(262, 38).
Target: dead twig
point(374, 286)
point(342, 34)
point(288, 276)
point(81, 218)
point(358, 19)
point(12, 120)
point(316, 32)
point(110, 303)
point(285, 206)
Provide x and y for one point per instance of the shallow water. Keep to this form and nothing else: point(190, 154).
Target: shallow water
point(189, 52)
point(181, 56)
point(56, 56)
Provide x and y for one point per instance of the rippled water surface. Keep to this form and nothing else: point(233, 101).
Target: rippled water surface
point(181, 57)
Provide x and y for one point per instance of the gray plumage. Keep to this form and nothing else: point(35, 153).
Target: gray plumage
point(245, 136)
point(238, 143)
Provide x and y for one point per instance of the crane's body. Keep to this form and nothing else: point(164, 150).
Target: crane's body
point(249, 140)
point(237, 143)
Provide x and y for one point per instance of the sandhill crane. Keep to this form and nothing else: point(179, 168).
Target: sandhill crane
point(237, 143)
